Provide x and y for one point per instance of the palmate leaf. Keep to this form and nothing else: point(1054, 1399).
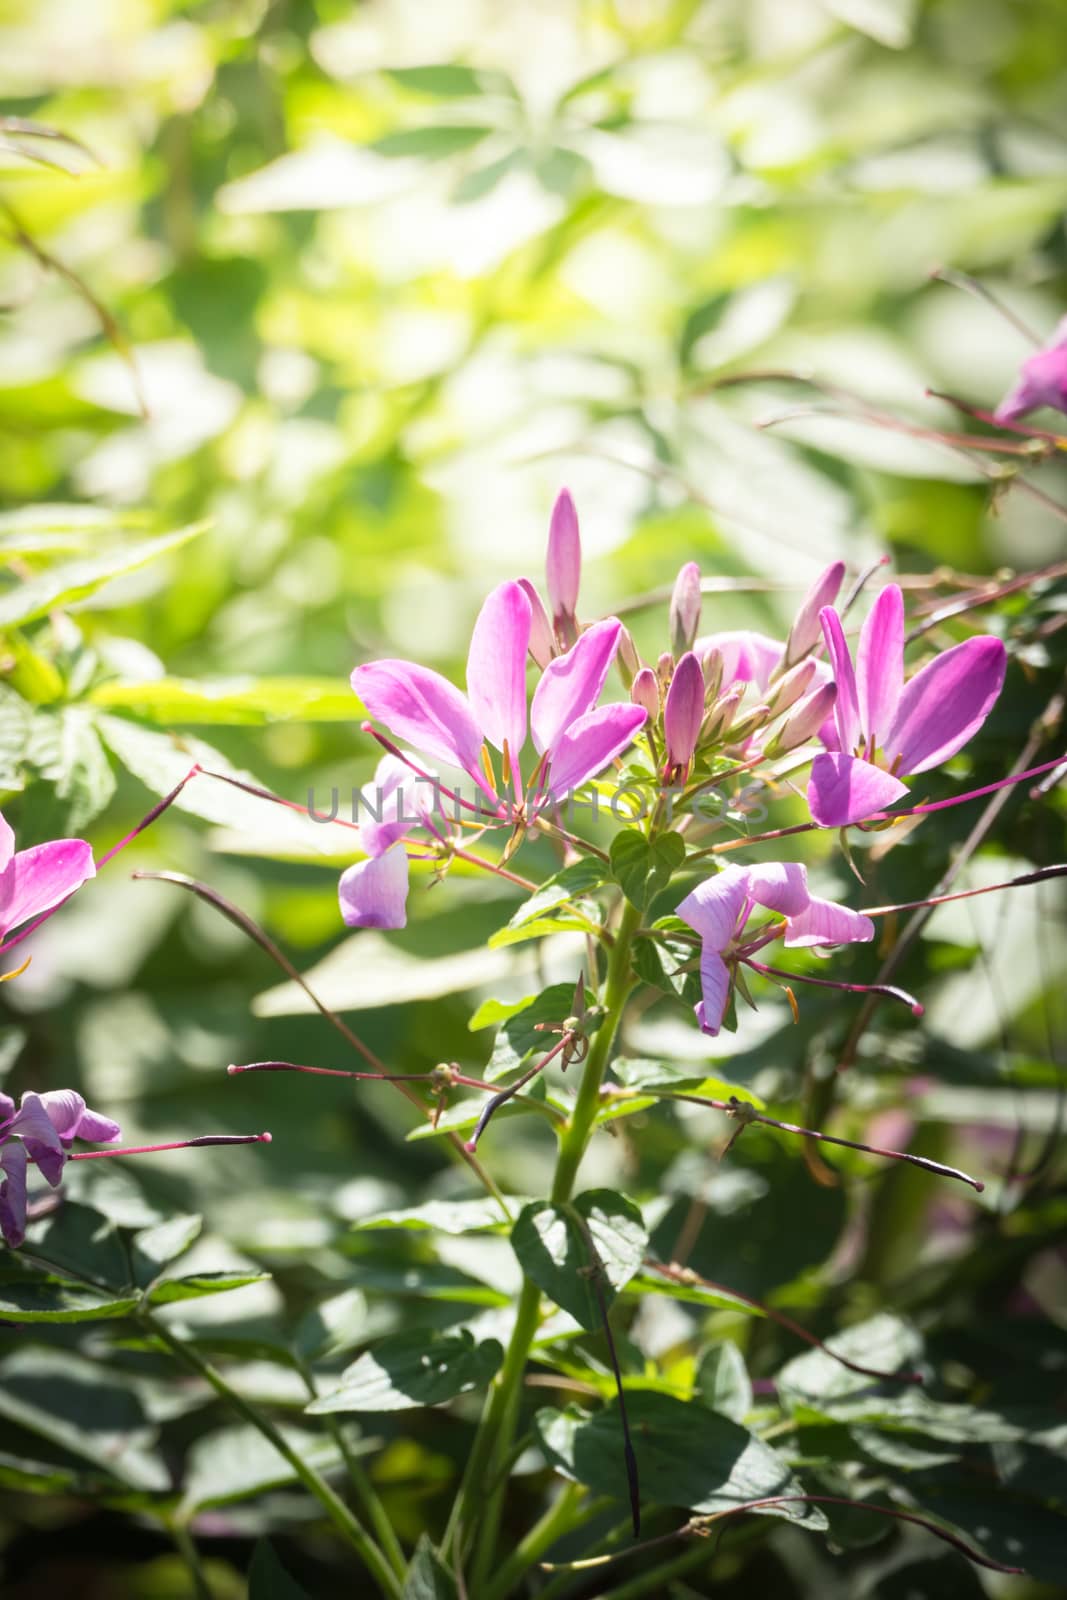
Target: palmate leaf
point(687, 1456)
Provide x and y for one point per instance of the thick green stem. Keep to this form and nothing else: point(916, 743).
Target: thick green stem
point(334, 1507)
point(485, 1476)
point(186, 1546)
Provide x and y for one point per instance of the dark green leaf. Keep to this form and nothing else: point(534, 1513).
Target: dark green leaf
point(643, 867)
point(197, 1284)
point(60, 1302)
point(562, 1247)
point(723, 1381)
point(428, 1578)
point(411, 1370)
point(268, 1579)
point(686, 1455)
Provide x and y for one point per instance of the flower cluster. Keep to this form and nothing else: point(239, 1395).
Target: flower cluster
point(710, 707)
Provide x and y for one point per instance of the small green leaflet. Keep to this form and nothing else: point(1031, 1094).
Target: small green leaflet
point(566, 1250)
point(643, 867)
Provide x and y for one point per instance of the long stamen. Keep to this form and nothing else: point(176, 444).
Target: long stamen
point(968, 894)
point(234, 1069)
point(177, 1144)
point(888, 990)
point(420, 772)
point(958, 799)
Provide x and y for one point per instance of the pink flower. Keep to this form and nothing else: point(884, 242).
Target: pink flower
point(1042, 381)
point(563, 566)
point(373, 893)
point(886, 727)
point(40, 1133)
point(683, 712)
point(719, 910)
point(573, 736)
point(39, 879)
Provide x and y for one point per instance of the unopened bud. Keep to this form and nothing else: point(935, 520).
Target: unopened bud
point(644, 691)
point(563, 565)
point(720, 718)
point(806, 630)
point(683, 712)
point(664, 668)
point(685, 609)
point(789, 688)
point(627, 659)
point(805, 720)
point(542, 643)
point(713, 665)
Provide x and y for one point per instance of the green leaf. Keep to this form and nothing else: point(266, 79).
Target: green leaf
point(695, 1293)
point(427, 1578)
point(198, 1284)
point(16, 719)
point(66, 750)
point(70, 581)
point(268, 1579)
point(520, 1038)
point(442, 1216)
point(687, 1456)
point(889, 22)
point(561, 1248)
point(413, 1369)
point(60, 1302)
point(433, 143)
point(81, 1240)
point(451, 80)
point(154, 1247)
point(723, 1382)
point(333, 1327)
point(573, 881)
point(643, 867)
point(253, 702)
point(83, 1408)
point(237, 1462)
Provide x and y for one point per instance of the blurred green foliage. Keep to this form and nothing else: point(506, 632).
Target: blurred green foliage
point(301, 332)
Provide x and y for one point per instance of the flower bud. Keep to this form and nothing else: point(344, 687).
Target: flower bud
point(627, 659)
point(542, 644)
point(563, 566)
point(644, 691)
point(806, 631)
point(805, 720)
point(789, 688)
point(683, 711)
point(685, 609)
point(720, 718)
point(664, 668)
point(713, 665)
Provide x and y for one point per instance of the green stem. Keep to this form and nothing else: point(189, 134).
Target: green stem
point(363, 1488)
point(334, 1507)
point(557, 1519)
point(185, 1545)
point(485, 1476)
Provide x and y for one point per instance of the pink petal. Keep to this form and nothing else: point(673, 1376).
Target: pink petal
point(96, 1128)
point(13, 1193)
point(683, 712)
point(65, 1109)
point(780, 886)
point(38, 1133)
point(7, 843)
point(715, 987)
point(880, 663)
point(843, 789)
point(542, 643)
point(713, 907)
point(945, 703)
point(7, 1109)
point(1042, 382)
point(823, 922)
point(420, 706)
point(383, 811)
point(571, 684)
point(684, 614)
point(496, 667)
point(41, 878)
point(846, 706)
point(373, 894)
point(747, 657)
point(804, 634)
point(590, 743)
point(563, 565)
